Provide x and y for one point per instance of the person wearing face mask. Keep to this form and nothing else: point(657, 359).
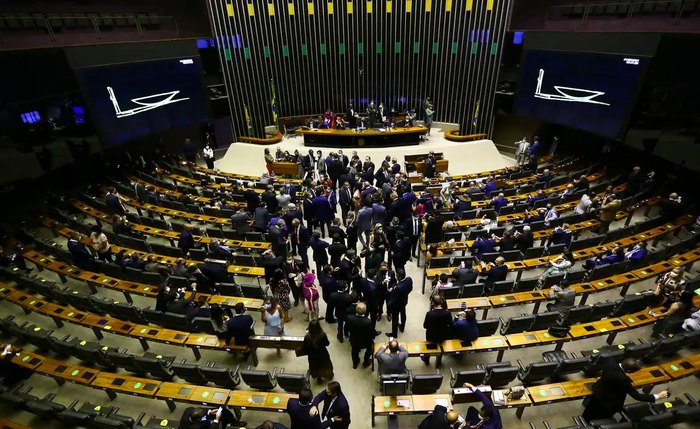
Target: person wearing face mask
point(669, 287)
point(440, 418)
point(487, 417)
point(335, 410)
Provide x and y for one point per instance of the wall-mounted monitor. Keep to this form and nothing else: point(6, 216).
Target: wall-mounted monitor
point(588, 91)
point(133, 100)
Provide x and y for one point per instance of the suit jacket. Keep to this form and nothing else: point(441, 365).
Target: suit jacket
point(251, 198)
point(438, 325)
point(299, 416)
point(465, 276)
point(270, 199)
point(186, 241)
point(341, 301)
point(483, 246)
point(345, 196)
point(185, 422)
point(364, 219)
point(323, 209)
point(399, 296)
point(240, 222)
point(392, 363)
point(81, 255)
point(361, 330)
point(402, 250)
point(240, 328)
point(495, 274)
point(320, 254)
point(378, 214)
point(609, 392)
point(339, 407)
point(114, 204)
point(260, 217)
point(436, 420)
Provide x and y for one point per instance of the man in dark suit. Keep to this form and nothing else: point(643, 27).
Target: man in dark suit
point(329, 285)
point(440, 418)
point(495, 272)
point(465, 274)
point(341, 300)
point(438, 326)
point(335, 169)
point(241, 221)
point(298, 410)
point(430, 165)
point(278, 238)
point(113, 203)
point(524, 240)
point(335, 412)
point(414, 229)
point(269, 424)
point(81, 254)
point(319, 250)
point(251, 198)
point(207, 275)
point(240, 326)
point(345, 197)
point(611, 389)
point(335, 228)
point(367, 170)
point(370, 293)
point(269, 197)
point(343, 159)
point(202, 418)
point(300, 239)
point(361, 330)
point(397, 300)
point(483, 245)
point(186, 240)
point(401, 250)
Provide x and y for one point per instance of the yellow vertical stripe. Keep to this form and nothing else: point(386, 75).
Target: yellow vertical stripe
point(271, 9)
point(470, 4)
point(448, 5)
point(389, 6)
point(290, 8)
point(428, 5)
point(330, 8)
point(489, 4)
point(310, 7)
point(409, 6)
point(349, 8)
point(251, 9)
point(369, 7)
point(229, 9)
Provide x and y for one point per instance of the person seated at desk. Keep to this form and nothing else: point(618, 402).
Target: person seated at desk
point(153, 266)
point(532, 199)
point(637, 252)
point(563, 296)
point(494, 272)
point(670, 286)
point(202, 418)
point(487, 417)
point(410, 118)
point(440, 418)
point(550, 215)
point(609, 257)
point(524, 240)
point(465, 274)
point(538, 217)
point(489, 187)
point(432, 252)
point(675, 316)
point(462, 204)
point(340, 123)
point(507, 242)
point(465, 327)
point(219, 250)
point(173, 300)
point(439, 283)
point(207, 275)
point(545, 177)
point(557, 266)
point(483, 245)
point(80, 253)
point(561, 235)
point(393, 361)
point(499, 202)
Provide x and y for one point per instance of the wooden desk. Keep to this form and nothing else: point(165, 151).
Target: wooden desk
point(441, 166)
point(649, 375)
point(232, 175)
point(368, 137)
point(682, 367)
point(286, 168)
point(273, 342)
point(535, 338)
point(206, 396)
point(120, 383)
point(482, 344)
point(261, 401)
point(462, 395)
point(408, 404)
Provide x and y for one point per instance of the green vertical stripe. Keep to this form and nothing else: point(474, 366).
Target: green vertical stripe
point(360, 48)
point(246, 53)
point(455, 47)
point(227, 54)
point(323, 49)
point(266, 51)
point(285, 50)
point(397, 47)
point(304, 49)
point(416, 47)
point(435, 47)
point(380, 48)
point(475, 46)
point(341, 48)
point(494, 48)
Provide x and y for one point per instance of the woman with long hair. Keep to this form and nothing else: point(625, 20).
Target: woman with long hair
point(315, 348)
point(281, 290)
point(272, 315)
point(269, 160)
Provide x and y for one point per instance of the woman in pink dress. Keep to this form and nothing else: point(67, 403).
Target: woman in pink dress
point(311, 295)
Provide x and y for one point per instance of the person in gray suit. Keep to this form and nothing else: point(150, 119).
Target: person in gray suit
point(394, 361)
point(364, 224)
point(240, 221)
point(563, 296)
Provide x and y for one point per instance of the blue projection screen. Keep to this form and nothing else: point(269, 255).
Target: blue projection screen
point(133, 100)
point(587, 91)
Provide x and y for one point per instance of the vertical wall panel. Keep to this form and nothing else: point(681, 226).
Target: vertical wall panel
point(326, 53)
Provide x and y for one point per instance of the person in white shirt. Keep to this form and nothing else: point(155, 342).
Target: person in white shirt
point(208, 154)
point(551, 215)
point(584, 204)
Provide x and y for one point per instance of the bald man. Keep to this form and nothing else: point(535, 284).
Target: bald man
point(442, 419)
point(361, 330)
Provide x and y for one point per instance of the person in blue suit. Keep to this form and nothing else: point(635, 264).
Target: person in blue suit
point(499, 202)
point(81, 254)
point(324, 213)
point(298, 410)
point(335, 411)
point(465, 327)
point(113, 203)
point(482, 246)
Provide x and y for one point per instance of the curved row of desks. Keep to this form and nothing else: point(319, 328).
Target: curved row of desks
point(646, 377)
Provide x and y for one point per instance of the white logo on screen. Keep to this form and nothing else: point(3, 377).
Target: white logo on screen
point(569, 94)
point(632, 61)
point(187, 61)
point(144, 106)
